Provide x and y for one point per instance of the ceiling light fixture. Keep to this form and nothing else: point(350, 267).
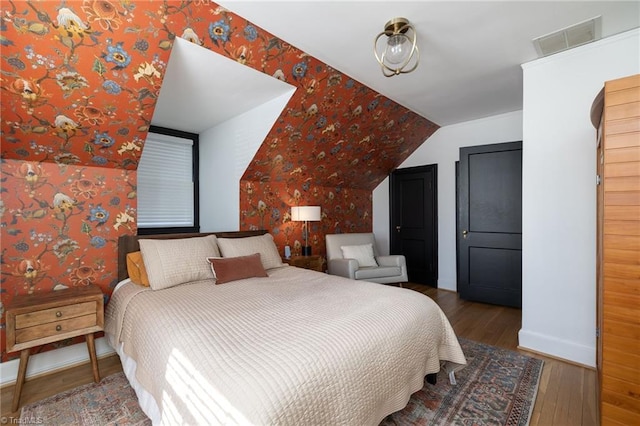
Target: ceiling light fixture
point(400, 54)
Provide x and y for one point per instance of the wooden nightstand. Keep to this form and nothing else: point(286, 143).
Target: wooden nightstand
point(313, 262)
point(34, 320)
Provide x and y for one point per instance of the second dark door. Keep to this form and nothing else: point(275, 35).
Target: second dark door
point(414, 221)
point(490, 224)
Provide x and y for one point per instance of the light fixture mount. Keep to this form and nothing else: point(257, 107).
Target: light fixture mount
point(397, 25)
point(400, 54)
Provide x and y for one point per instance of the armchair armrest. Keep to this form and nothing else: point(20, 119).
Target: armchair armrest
point(343, 267)
point(391, 260)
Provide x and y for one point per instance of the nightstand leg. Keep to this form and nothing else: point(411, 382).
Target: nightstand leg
point(91, 346)
point(22, 371)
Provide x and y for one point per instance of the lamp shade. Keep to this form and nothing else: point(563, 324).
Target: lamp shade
point(305, 213)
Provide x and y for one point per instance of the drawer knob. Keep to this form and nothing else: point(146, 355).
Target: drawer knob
point(58, 314)
point(58, 327)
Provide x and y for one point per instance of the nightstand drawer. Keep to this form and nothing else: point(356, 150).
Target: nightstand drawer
point(57, 328)
point(55, 314)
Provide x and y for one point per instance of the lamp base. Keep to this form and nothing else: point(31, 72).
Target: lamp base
point(306, 250)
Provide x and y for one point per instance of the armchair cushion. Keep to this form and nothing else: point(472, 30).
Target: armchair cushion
point(378, 272)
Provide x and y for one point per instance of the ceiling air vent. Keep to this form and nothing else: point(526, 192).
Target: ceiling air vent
point(570, 37)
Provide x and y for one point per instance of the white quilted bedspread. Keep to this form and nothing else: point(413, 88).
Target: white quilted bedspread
point(298, 348)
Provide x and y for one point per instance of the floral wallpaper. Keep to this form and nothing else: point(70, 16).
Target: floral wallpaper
point(79, 80)
point(335, 141)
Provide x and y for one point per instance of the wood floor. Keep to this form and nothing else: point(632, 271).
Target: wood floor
point(566, 396)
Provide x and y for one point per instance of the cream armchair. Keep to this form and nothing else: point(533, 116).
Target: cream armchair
point(354, 256)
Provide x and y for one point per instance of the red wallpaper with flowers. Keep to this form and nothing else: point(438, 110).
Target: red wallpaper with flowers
point(79, 80)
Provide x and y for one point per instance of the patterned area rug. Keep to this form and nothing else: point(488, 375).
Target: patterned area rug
point(498, 387)
point(110, 402)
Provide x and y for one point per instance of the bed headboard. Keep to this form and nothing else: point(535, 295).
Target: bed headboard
point(129, 243)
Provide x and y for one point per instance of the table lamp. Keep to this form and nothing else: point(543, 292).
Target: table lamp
point(305, 214)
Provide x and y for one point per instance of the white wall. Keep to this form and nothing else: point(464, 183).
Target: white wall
point(443, 149)
point(559, 205)
point(225, 153)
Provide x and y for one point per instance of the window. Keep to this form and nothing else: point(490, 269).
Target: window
point(168, 182)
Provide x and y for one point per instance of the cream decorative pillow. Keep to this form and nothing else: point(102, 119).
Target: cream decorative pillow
point(362, 253)
point(263, 244)
point(177, 261)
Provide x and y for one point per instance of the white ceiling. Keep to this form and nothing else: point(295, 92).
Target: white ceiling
point(194, 98)
point(470, 51)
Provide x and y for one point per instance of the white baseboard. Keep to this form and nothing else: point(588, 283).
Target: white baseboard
point(56, 359)
point(563, 349)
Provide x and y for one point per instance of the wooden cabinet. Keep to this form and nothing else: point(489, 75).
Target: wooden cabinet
point(34, 320)
point(616, 113)
point(313, 262)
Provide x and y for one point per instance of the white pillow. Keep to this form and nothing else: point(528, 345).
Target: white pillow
point(177, 261)
point(362, 253)
point(263, 244)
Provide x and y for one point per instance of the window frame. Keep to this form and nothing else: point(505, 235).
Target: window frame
point(195, 162)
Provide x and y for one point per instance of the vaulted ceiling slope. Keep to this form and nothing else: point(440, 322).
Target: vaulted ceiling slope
point(470, 51)
point(80, 81)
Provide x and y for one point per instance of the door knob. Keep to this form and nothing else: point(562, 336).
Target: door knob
point(464, 233)
point(398, 228)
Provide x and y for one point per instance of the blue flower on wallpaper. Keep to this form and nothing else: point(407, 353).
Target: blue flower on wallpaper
point(300, 69)
point(16, 63)
point(373, 104)
point(103, 140)
point(101, 161)
point(111, 87)
point(98, 242)
point(117, 56)
point(141, 44)
point(98, 214)
point(321, 122)
point(275, 214)
point(250, 33)
point(219, 30)
point(21, 246)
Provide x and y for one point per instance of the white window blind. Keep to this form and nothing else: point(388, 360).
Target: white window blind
point(165, 182)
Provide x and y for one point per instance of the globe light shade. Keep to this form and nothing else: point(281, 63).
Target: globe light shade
point(398, 49)
point(398, 54)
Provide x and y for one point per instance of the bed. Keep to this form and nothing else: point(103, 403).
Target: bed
point(274, 344)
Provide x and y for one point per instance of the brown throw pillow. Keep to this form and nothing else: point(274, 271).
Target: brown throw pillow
point(135, 268)
point(226, 269)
